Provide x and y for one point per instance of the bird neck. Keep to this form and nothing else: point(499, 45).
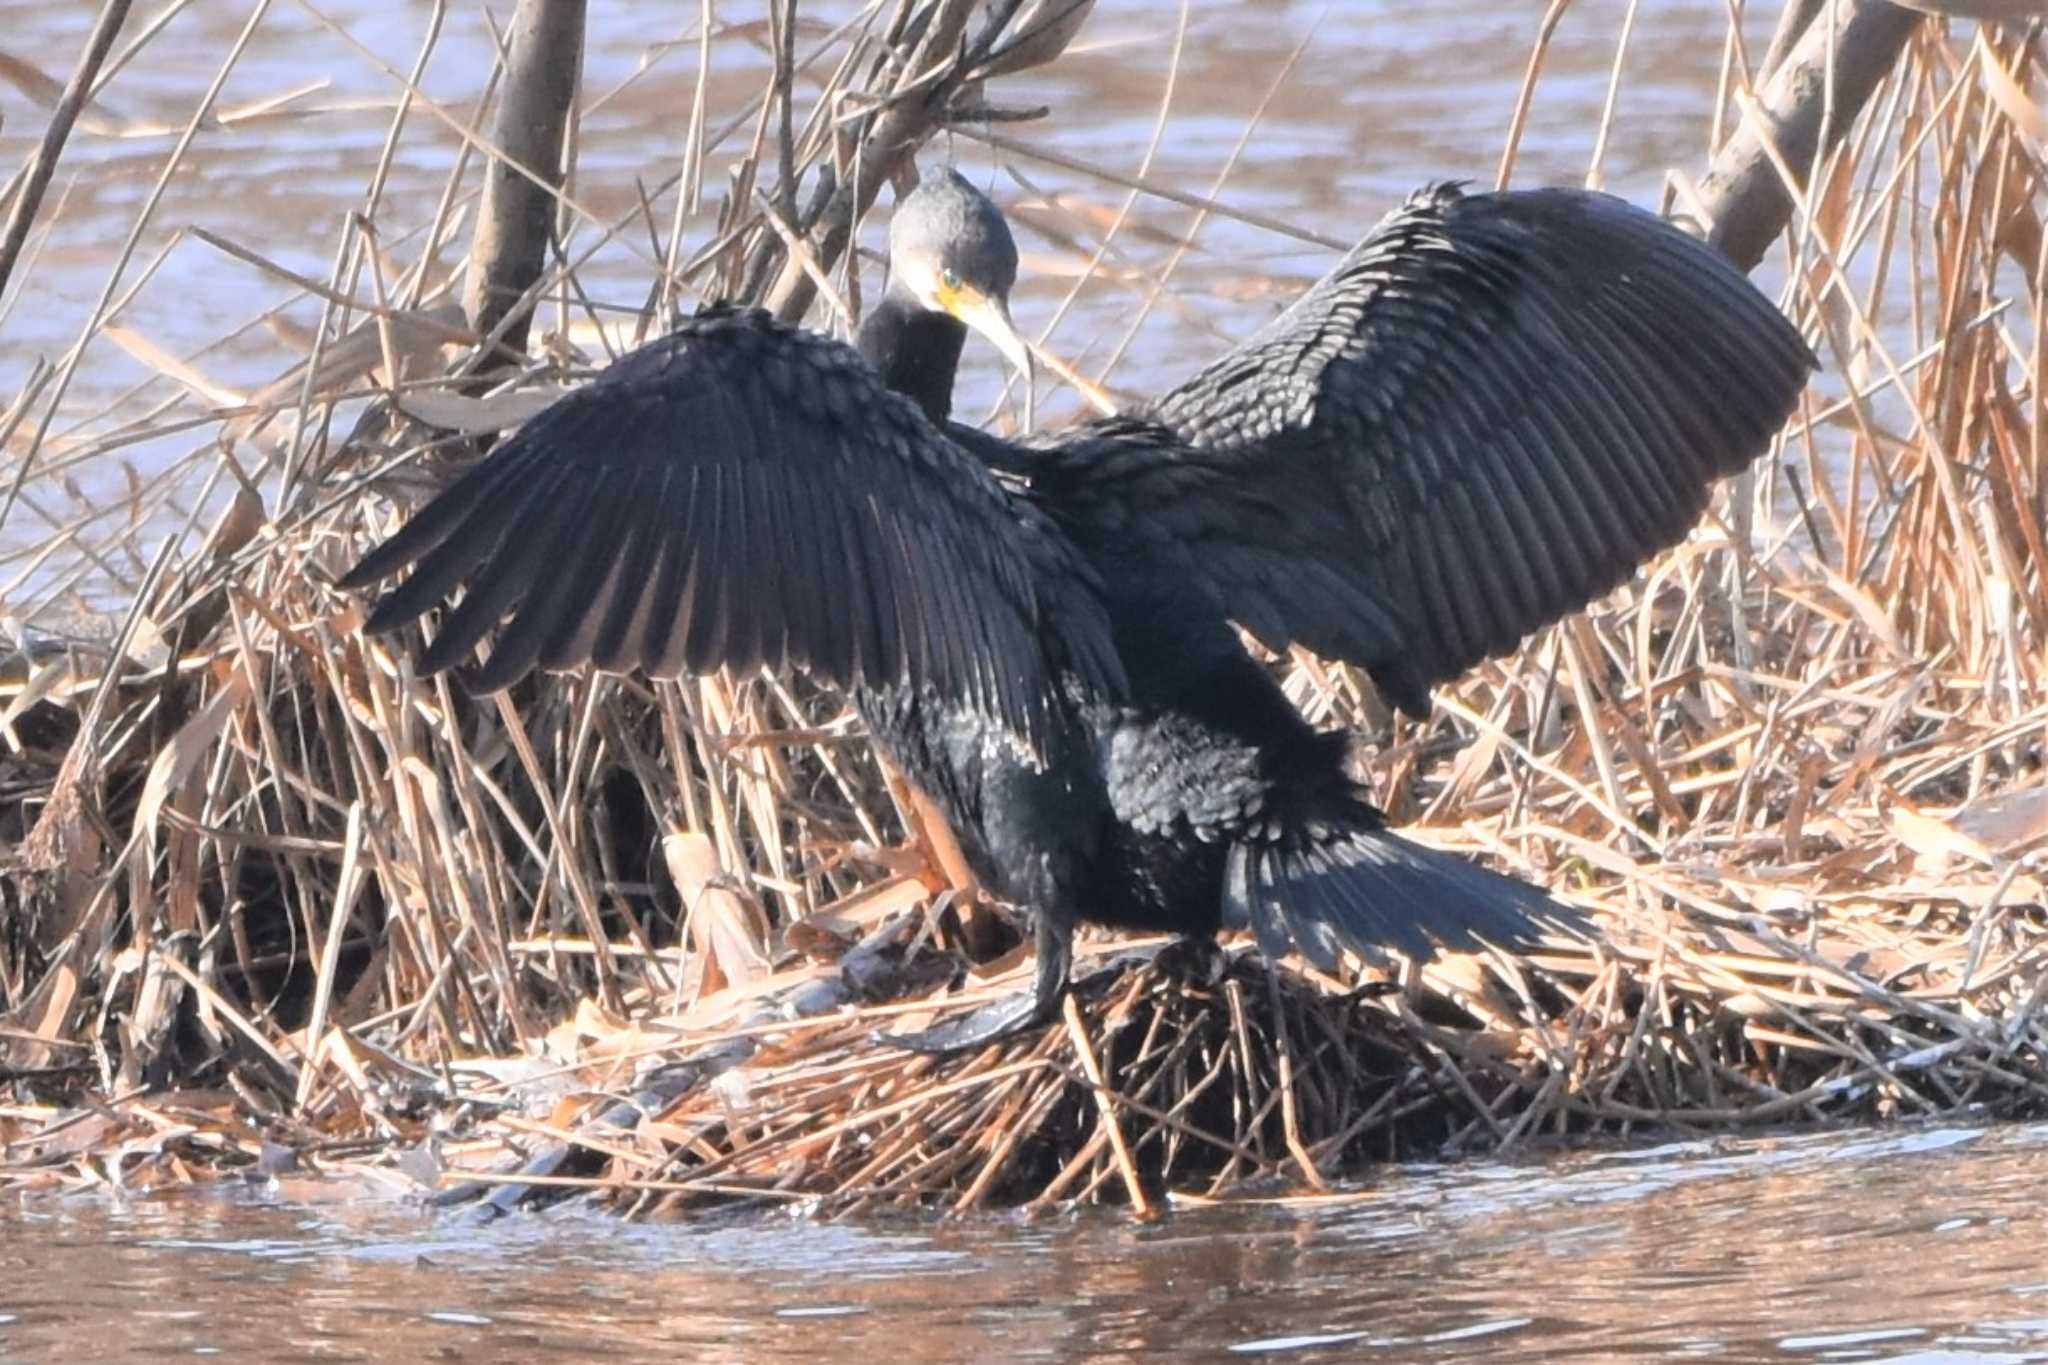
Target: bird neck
point(915, 350)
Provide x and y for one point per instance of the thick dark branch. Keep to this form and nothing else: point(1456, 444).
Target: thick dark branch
point(531, 129)
point(1793, 21)
point(1745, 199)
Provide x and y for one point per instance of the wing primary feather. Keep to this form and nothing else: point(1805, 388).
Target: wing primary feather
point(758, 608)
point(1585, 492)
point(755, 608)
point(1557, 406)
point(677, 587)
point(970, 618)
point(552, 564)
point(612, 648)
point(1003, 638)
point(1009, 652)
point(1612, 462)
point(940, 612)
point(1476, 574)
point(1493, 494)
point(496, 583)
point(612, 524)
point(1554, 562)
point(882, 619)
point(1705, 366)
point(1531, 581)
point(814, 513)
point(790, 633)
point(703, 627)
point(1446, 622)
point(462, 545)
point(478, 487)
point(1616, 359)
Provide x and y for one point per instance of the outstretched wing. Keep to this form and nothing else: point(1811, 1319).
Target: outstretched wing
point(742, 493)
point(1486, 416)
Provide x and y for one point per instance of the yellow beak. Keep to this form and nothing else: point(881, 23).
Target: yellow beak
point(991, 318)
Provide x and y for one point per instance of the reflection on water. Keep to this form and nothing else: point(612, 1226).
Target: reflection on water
point(1383, 97)
point(1920, 1245)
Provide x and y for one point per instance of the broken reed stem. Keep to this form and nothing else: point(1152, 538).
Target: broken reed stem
point(1105, 1101)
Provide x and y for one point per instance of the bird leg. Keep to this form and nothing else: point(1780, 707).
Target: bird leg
point(1053, 941)
point(928, 826)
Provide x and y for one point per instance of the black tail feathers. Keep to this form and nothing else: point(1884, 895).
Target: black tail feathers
point(1371, 890)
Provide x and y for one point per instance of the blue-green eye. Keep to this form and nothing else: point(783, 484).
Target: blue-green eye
point(950, 277)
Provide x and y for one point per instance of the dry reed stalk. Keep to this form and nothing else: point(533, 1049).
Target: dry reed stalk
point(276, 900)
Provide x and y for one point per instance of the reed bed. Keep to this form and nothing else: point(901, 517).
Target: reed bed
point(275, 905)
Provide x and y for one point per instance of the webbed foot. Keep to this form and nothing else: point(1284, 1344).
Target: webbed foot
point(992, 1023)
point(1053, 940)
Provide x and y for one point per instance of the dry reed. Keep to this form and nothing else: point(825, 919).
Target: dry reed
point(274, 902)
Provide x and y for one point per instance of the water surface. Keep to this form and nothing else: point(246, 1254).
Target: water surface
point(1919, 1244)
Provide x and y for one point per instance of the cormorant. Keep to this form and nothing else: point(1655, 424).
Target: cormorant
point(1485, 416)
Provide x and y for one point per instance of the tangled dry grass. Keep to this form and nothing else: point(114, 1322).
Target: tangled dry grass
point(274, 902)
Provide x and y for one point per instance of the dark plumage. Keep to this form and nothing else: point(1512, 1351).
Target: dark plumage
point(1486, 415)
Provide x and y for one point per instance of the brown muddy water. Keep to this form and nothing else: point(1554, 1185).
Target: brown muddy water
point(1920, 1245)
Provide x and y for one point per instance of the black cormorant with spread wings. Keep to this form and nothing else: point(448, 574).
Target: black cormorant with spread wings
point(1485, 416)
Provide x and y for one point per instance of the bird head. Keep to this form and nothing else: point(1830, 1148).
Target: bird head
point(950, 249)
